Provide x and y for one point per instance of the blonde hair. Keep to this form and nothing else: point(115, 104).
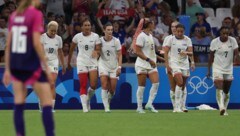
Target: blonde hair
point(23, 5)
point(52, 23)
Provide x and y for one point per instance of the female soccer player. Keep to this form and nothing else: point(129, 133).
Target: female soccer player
point(52, 44)
point(223, 51)
point(88, 52)
point(145, 65)
point(170, 76)
point(179, 47)
point(110, 63)
point(24, 56)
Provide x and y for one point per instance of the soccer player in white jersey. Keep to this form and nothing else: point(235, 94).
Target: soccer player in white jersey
point(52, 44)
point(145, 65)
point(88, 52)
point(223, 51)
point(179, 47)
point(169, 74)
point(109, 65)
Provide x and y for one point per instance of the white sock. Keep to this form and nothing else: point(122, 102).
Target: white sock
point(219, 96)
point(172, 97)
point(105, 99)
point(110, 96)
point(90, 92)
point(53, 104)
point(184, 97)
point(84, 102)
point(140, 91)
point(178, 97)
point(226, 100)
point(153, 93)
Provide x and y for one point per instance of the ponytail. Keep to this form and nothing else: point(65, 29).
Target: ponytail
point(23, 5)
point(137, 32)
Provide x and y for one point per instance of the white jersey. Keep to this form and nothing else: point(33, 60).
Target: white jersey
point(86, 45)
point(109, 58)
point(146, 42)
point(51, 46)
point(164, 44)
point(176, 46)
point(223, 56)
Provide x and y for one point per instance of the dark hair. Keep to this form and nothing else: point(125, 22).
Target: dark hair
point(180, 26)
point(107, 24)
point(85, 20)
point(223, 27)
point(146, 23)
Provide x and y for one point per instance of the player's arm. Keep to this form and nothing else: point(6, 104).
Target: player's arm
point(191, 56)
point(72, 47)
point(166, 51)
point(60, 55)
point(141, 55)
point(210, 61)
point(6, 76)
point(236, 56)
point(97, 51)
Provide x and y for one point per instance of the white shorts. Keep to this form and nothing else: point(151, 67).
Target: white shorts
point(140, 70)
point(86, 69)
point(184, 72)
point(103, 72)
point(53, 66)
point(220, 76)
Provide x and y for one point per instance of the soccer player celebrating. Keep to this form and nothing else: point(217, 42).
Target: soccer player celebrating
point(52, 44)
point(145, 65)
point(177, 63)
point(24, 55)
point(223, 51)
point(109, 64)
point(88, 52)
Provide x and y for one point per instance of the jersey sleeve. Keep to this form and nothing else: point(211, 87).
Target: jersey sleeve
point(75, 39)
point(97, 39)
point(60, 42)
point(38, 22)
point(165, 41)
point(118, 44)
point(212, 45)
point(235, 44)
point(189, 42)
point(168, 42)
point(140, 41)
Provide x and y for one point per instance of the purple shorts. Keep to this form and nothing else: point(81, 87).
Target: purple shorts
point(29, 77)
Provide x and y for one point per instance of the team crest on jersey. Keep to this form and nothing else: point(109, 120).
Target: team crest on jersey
point(56, 44)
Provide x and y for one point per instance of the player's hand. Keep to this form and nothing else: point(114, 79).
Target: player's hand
point(183, 53)
point(69, 67)
point(6, 77)
point(152, 63)
point(95, 54)
point(63, 70)
point(169, 69)
point(208, 74)
point(192, 66)
point(119, 72)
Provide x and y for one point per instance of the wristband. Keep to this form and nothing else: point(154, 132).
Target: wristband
point(147, 59)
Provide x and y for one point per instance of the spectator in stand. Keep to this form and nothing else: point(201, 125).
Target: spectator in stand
point(11, 6)
point(54, 6)
point(236, 15)
point(5, 12)
point(201, 22)
point(237, 34)
point(3, 36)
point(166, 21)
point(192, 9)
point(62, 28)
point(201, 38)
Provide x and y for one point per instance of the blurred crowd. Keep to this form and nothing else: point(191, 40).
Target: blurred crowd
point(125, 15)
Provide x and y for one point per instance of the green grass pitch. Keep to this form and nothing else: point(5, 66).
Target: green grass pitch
point(128, 123)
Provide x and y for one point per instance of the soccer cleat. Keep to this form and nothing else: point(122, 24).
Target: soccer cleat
point(222, 111)
point(84, 108)
point(184, 109)
point(151, 108)
point(140, 110)
point(53, 111)
point(107, 110)
point(225, 113)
